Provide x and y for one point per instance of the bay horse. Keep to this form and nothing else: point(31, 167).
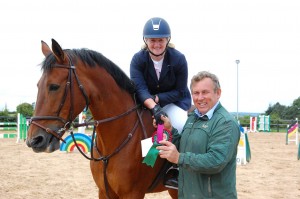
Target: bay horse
point(73, 79)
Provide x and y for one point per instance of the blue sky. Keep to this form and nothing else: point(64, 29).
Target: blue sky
point(263, 34)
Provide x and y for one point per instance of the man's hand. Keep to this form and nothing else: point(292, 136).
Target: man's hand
point(166, 122)
point(168, 151)
point(157, 112)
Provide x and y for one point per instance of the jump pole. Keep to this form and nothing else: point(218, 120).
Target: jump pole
point(292, 131)
point(22, 128)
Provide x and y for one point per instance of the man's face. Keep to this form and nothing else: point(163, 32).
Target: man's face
point(204, 96)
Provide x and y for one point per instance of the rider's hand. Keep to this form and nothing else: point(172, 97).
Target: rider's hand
point(157, 112)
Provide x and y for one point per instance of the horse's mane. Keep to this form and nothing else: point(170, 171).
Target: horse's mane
point(93, 58)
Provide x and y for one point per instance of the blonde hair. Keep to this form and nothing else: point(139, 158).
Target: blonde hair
point(170, 45)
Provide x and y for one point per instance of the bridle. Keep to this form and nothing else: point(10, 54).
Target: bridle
point(69, 87)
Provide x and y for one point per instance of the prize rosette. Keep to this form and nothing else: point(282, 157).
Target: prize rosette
point(160, 134)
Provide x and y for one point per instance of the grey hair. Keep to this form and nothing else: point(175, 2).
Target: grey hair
point(205, 74)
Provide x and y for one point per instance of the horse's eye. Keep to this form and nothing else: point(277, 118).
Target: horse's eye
point(53, 87)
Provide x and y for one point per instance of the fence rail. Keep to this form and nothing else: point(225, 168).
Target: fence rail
point(275, 126)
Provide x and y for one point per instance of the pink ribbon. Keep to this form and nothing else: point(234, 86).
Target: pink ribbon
point(160, 129)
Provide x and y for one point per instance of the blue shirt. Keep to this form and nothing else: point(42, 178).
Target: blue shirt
point(209, 114)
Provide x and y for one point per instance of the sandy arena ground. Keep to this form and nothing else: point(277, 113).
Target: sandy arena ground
point(273, 172)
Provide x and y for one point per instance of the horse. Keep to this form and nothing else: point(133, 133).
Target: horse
point(75, 79)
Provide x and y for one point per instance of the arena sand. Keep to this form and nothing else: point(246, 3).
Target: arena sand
point(273, 172)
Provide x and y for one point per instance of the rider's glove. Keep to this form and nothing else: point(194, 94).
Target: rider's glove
point(157, 112)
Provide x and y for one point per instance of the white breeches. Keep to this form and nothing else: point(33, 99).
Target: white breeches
point(177, 115)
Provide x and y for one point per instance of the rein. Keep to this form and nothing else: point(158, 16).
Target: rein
point(105, 159)
point(96, 123)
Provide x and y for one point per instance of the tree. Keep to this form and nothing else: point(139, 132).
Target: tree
point(296, 102)
point(295, 109)
point(276, 109)
point(4, 112)
point(25, 109)
point(245, 120)
point(279, 113)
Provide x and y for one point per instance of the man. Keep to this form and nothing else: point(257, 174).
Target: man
point(207, 146)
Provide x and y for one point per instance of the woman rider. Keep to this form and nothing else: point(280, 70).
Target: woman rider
point(160, 73)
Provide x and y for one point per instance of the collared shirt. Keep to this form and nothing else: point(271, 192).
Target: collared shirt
point(209, 114)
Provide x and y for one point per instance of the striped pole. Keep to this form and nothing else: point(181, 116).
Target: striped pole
point(8, 135)
point(22, 128)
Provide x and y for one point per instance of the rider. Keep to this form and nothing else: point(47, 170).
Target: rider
point(160, 73)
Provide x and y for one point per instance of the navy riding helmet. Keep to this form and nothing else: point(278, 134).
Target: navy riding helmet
point(156, 28)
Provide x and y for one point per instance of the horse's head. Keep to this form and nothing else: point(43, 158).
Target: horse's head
point(59, 89)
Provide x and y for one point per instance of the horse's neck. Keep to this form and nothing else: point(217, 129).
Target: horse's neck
point(111, 104)
point(114, 123)
point(107, 99)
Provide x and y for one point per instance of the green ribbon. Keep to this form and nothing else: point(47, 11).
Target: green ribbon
point(151, 156)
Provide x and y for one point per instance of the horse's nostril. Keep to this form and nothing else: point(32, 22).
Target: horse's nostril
point(36, 141)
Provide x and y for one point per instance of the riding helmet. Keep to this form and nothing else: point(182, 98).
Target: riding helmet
point(156, 28)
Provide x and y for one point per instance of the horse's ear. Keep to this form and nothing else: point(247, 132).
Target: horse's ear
point(45, 49)
point(58, 52)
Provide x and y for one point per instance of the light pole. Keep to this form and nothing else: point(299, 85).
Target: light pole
point(237, 89)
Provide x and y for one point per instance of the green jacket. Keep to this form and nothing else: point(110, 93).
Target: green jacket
point(207, 161)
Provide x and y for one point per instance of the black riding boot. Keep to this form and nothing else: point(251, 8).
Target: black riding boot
point(171, 177)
